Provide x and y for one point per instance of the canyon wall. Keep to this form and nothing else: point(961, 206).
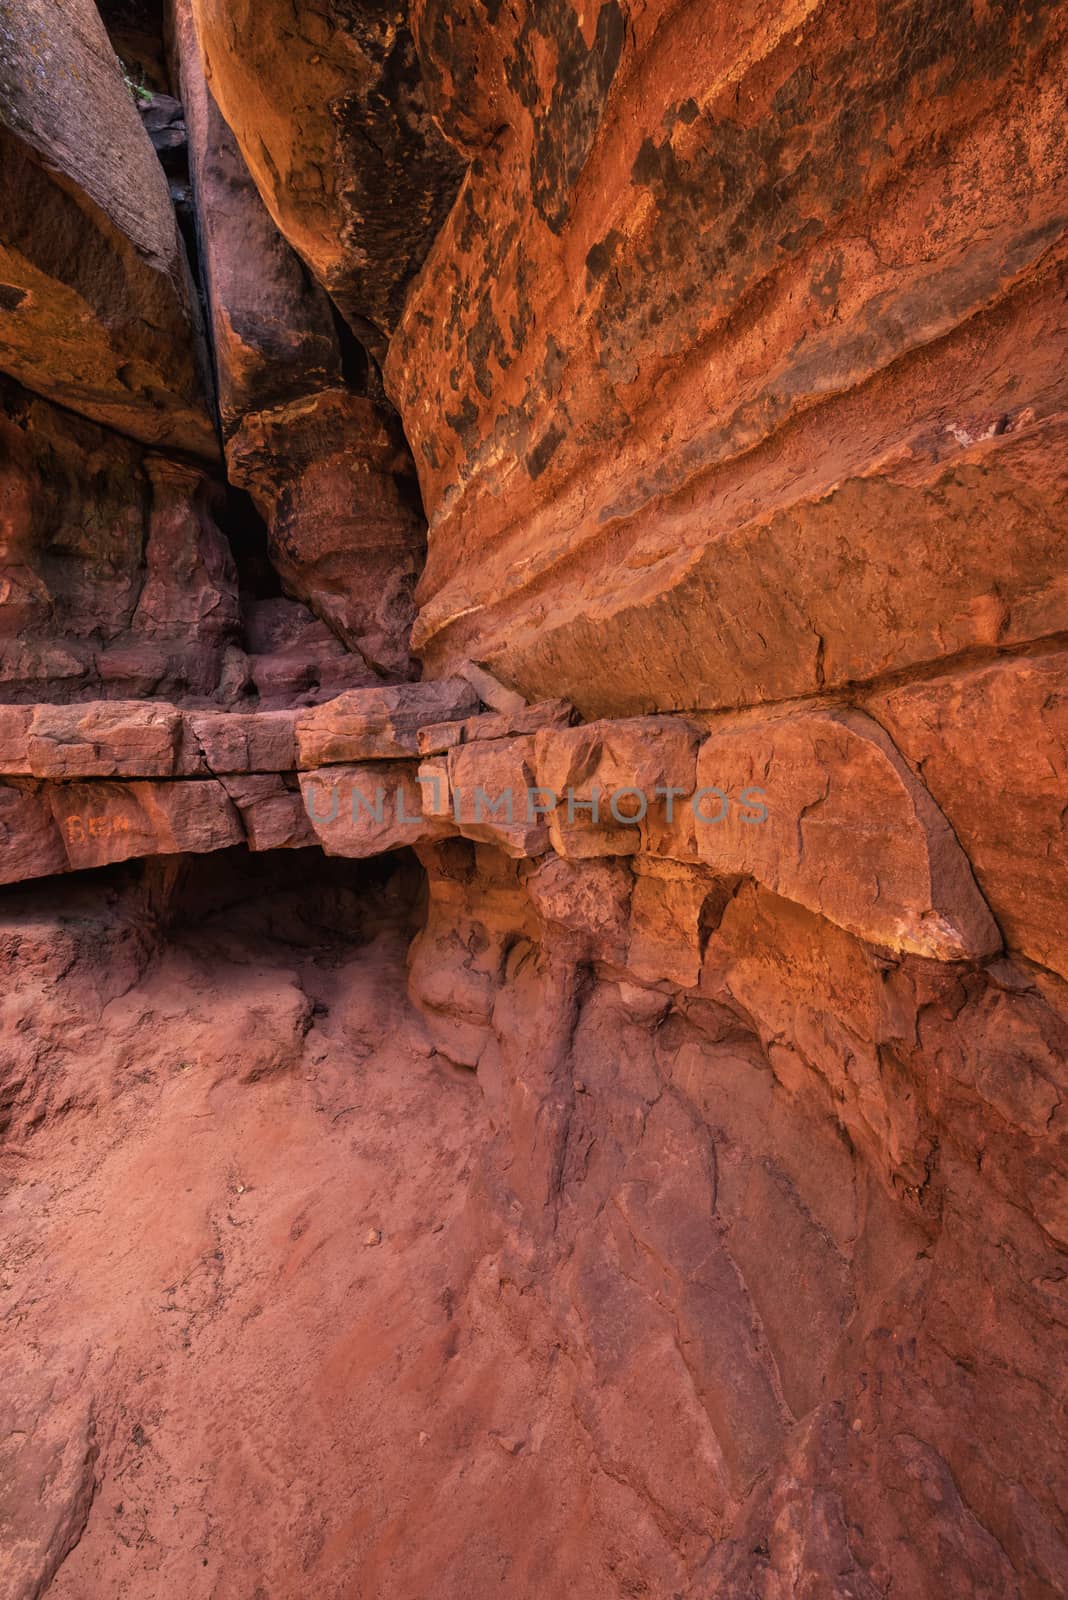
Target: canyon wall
point(618, 454)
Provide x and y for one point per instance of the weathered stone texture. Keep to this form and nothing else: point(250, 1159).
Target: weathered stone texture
point(726, 828)
point(992, 746)
point(329, 109)
point(370, 724)
point(736, 371)
point(331, 475)
point(825, 1133)
point(114, 576)
point(272, 329)
point(96, 302)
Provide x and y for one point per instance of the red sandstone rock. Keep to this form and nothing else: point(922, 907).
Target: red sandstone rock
point(97, 309)
point(712, 402)
point(813, 597)
point(116, 579)
point(103, 822)
point(14, 733)
point(333, 122)
point(190, 584)
point(329, 472)
point(272, 814)
point(452, 978)
point(48, 1461)
point(368, 809)
point(735, 380)
point(849, 831)
point(992, 745)
point(107, 739)
point(30, 845)
point(667, 920)
point(589, 898)
point(625, 763)
point(328, 469)
point(369, 724)
point(272, 331)
point(62, 476)
point(492, 785)
point(504, 701)
point(246, 742)
point(493, 725)
point(433, 780)
point(294, 659)
point(788, 1209)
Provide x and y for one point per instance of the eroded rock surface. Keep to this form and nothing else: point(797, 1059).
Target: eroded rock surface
point(114, 575)
point(332, 476)
point(673, 1145)
point(734, 373)
point(329, 107)
point(97, 310)
point(326, 463)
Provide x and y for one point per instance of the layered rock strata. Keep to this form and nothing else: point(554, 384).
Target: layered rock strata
point(850, 834)
point(736, 372)
point(729, 345)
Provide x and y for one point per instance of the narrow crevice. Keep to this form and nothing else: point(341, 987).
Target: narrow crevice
point(246, 534)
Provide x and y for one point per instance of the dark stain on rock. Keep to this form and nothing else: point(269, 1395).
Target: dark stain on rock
point(462, 422)
point(544, 450)
point(403, 175)
point(600, 258)
point(734, 200)
point(565, 128)
point(825, 283)
point(10, 297)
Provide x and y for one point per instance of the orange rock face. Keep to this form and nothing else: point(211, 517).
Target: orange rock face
point(331, 115)
point(734, 374)
point(533, 864)
point(96, 300)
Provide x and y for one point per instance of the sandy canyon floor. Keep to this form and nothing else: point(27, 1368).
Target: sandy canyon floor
point(259, 1349)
